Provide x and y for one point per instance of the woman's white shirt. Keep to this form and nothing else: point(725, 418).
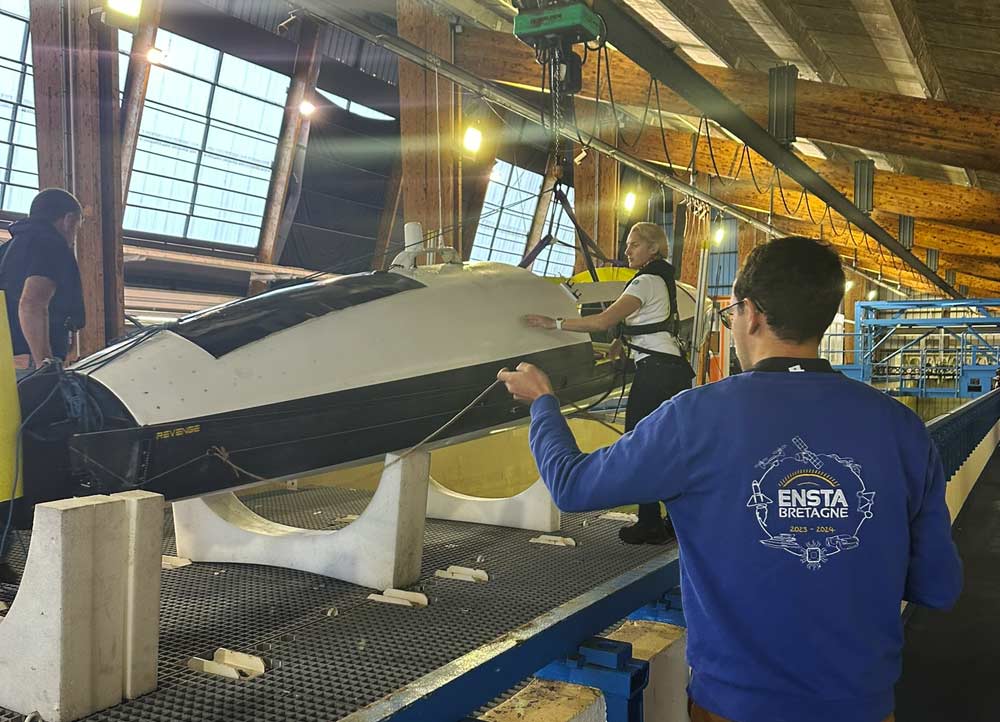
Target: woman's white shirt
point(651, 291)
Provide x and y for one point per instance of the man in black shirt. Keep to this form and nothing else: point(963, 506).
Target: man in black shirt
point(41, 278)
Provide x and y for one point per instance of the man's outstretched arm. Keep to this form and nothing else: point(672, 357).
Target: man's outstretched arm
point(645, 465)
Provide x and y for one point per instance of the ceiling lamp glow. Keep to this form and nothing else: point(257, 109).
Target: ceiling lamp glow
point(473, 139)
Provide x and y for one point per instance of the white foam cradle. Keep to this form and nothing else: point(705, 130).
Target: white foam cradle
point(381, 549)
point(532, 509)
point(82, 633)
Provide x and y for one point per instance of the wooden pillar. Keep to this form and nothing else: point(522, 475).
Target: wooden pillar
point(538, 225)
point(595, 190)
point(427, 127)
point(136, 83)
point(76, 112)
point(308, 58)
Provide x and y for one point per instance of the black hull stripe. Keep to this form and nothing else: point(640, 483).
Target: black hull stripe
point(318, 432)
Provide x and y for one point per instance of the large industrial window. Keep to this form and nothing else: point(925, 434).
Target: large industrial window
point(511, 198)
point(209, 131)
point(206, 145)
point(18, 157)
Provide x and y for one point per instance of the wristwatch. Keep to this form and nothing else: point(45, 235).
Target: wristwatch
point(559, 324)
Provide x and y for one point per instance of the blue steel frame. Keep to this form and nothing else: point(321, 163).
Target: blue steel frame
point(453, 691)
point(876, 322)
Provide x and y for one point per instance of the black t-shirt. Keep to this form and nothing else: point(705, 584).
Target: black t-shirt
point(38, 249)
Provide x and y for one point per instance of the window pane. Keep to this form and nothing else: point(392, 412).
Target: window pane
point(187, 56)
point(253, 80)
point(12, 32)
point(246, 112)
point(178, 91)
point(16, 7)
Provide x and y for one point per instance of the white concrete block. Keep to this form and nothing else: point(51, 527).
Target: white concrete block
point(144, 513)
point(532, 509)
point(382, 549)
point(47, 634)
point(557, 541)
point(109, 580)
point(664, 646)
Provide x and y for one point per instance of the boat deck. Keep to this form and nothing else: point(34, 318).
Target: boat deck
point(326, 667)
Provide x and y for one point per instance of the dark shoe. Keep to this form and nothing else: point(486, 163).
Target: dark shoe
point(641, 533)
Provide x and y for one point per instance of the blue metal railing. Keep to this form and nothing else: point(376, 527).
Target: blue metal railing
point(958, 433)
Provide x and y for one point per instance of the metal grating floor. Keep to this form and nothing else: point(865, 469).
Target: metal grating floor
point(325, 667)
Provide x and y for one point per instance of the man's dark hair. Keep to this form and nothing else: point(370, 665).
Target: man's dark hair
point(52, 204)
point(797, 282)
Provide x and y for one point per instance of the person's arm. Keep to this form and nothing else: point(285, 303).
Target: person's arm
point(934, 577)
point(33, 313)
point(645, 465)
point(617, 312)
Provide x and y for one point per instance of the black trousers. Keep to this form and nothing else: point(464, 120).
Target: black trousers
point(656, 380)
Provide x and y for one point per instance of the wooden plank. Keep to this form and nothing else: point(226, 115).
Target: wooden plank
point(112, 198)
point(138, 254)
point(950, 133)
point(426, 110)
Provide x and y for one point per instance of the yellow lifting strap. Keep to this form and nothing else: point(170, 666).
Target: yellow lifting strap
point(10, 412)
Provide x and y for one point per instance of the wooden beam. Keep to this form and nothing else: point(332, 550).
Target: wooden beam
point(868, 257)
point(538, 218)
point(928, 234)
point(112, 197)
point(76, 99)
point(972, 208)
point(426, 123)
point(138, 254)
point(136, 83)
point(387, 219)
point(308, 56)
point(950, 133)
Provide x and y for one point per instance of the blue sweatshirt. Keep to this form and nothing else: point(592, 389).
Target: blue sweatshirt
point(806, 506)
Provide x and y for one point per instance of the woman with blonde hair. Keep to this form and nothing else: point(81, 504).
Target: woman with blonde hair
point(648, 310)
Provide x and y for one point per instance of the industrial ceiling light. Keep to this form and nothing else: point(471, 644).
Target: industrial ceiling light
point(473, 139)
point(848, 285)
point(155, 56)
point(629, 202)
point(306, 108)
point(720, 234)
point(130, 8)
point(873, 294)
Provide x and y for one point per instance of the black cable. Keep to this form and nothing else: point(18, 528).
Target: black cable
point(711, 154)
point(663, 132)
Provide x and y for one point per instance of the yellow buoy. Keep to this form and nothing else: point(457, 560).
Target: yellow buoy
point(10, 412)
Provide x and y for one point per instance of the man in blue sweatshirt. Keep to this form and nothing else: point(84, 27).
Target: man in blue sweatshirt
point(806, 505)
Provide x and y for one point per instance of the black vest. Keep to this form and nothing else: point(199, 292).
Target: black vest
point(671, 324)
